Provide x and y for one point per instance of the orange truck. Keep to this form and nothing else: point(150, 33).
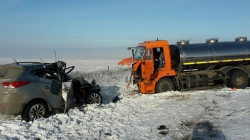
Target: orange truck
point(158, 66)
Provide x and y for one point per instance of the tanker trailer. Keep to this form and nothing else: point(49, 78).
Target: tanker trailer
point(160, 67)
point(212, 53)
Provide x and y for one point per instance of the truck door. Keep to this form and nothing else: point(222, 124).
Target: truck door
point(147, 65)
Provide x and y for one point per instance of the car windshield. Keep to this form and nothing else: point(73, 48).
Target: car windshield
point(139, 52)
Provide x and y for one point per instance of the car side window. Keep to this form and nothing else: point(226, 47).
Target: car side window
point(43, 73)
point(38, 72)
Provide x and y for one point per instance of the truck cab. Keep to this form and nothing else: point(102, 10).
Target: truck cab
point(153, 61)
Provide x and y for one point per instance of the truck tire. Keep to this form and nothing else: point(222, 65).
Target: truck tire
point(164, 85)
point(238, 79)
point(34, 110)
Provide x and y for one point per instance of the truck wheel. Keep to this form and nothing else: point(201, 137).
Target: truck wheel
point(238, 79)
point(94, 98)
point(34, 110)
point(164, 85)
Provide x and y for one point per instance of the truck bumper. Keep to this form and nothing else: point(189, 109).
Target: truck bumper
point(146, 88)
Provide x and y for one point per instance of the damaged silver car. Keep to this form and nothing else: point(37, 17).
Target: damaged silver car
point(35, 90)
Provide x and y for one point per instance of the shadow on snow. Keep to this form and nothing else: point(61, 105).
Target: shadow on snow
point(205, 130)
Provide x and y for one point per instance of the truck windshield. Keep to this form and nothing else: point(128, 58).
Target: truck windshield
point(139, 52)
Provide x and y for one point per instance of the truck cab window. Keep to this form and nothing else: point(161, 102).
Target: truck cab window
point(139, 53)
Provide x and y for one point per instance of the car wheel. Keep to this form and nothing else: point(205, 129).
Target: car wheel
point(164, 85)
point(94, 98)
point(34, 110)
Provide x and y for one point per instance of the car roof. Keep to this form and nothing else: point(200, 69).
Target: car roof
point(29, 65)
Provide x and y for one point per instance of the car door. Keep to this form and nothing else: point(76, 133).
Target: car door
point(52, 89)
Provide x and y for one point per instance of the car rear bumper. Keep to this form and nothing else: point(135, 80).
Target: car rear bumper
point(11, 104)
point(10, 108)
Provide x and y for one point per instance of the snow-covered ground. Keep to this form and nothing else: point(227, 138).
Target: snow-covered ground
point(206, 114)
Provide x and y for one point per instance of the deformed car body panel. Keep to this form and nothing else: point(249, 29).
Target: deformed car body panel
point(52, 91)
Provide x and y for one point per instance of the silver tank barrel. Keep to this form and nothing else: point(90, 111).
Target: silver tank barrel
point(197, 56)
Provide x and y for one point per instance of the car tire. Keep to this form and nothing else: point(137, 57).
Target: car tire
point(94, 98)
point(164, 85)
point(34, 110)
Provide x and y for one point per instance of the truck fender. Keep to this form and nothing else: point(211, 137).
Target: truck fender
point(227, 69)
point(175, 81)
point(165, 84)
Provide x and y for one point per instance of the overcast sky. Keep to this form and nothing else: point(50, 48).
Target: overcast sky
point(34, 28)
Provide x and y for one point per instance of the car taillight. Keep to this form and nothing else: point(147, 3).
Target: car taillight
point(15, 84)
